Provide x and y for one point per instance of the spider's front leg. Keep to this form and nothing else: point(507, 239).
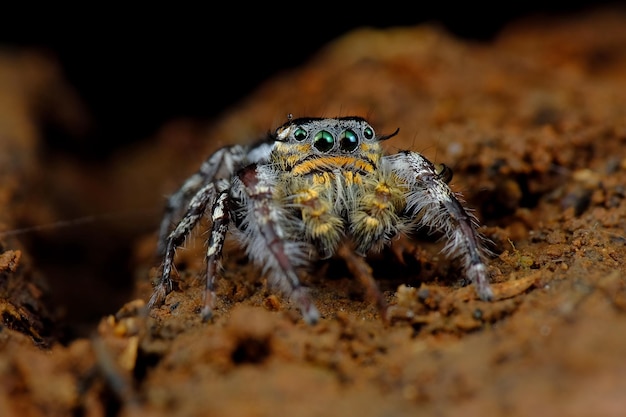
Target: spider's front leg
point(431, 203)
point(269, 231)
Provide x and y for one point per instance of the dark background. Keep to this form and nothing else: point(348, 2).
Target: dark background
point(136, 68)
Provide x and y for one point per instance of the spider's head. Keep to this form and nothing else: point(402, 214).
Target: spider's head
point(341, 135)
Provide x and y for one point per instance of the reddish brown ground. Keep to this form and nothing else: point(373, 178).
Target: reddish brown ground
point(534, 126)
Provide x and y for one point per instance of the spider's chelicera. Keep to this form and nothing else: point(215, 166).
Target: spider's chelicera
point(310, 187)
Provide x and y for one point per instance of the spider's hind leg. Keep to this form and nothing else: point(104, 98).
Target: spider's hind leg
point(194, 213)
point(221, 219)
point(220, 165)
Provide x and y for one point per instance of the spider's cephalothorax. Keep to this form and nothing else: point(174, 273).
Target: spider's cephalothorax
point(311, 186)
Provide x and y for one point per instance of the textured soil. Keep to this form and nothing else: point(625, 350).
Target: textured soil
point(533, 125)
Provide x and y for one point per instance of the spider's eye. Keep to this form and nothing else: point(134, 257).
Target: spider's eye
point(368, 132)
point(444, 172)
point(323, 141)
point(300, 134)
point(348, 140)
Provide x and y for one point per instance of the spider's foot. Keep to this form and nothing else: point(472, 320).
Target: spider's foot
point(209, 305)
point(310, 313)
point(206, 314)
point(478, 275)
point(485, 293)
point(158, 295)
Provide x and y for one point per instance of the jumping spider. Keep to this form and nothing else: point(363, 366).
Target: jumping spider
point(311, 186)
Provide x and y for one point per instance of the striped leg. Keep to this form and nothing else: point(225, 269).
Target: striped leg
point(194, 213)
point(220, 165)
point(221, 219)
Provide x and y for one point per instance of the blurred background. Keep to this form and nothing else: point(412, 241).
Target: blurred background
point(134, 68)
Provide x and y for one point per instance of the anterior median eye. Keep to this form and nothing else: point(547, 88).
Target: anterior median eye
point(348, 140)
point(368, 132)
point(300, 134)
point(323, 141)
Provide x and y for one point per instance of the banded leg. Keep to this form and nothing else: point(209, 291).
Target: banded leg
point(222, 164)
point(194, 213)
point(264, 227)
point(174, 204)
point(431, 203)
point(220, 216)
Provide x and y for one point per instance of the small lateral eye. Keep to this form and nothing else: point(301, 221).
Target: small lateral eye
point(323, 141)
point(368, 132)
point(444, 172)
point(348, 141)
point(300, 134)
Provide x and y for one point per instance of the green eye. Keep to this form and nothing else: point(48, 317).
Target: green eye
point(348, 140)
point(323, 141)
point(368, 132)
point(300, 134)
